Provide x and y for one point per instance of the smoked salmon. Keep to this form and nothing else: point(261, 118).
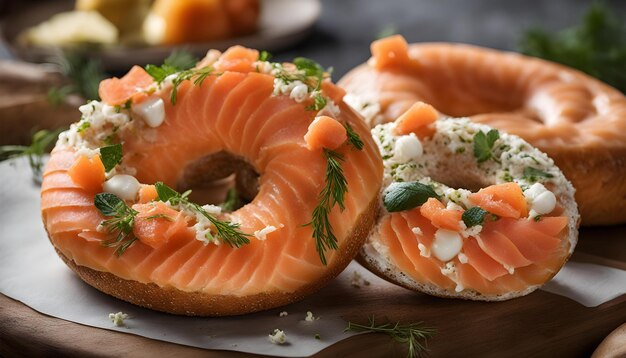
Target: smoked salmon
point(161, 250)
point(470, 212)
point(577, 120)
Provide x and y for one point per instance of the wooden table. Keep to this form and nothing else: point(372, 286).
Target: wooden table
point(539, 325)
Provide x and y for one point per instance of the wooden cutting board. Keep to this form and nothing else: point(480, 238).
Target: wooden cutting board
point(539, 325)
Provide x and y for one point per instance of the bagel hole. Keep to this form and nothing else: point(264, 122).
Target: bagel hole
point(212, 178)
point(458, 174)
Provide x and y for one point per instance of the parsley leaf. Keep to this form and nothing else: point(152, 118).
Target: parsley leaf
point(176, 62)
point(483, 145)
point(264, 56)
point(474, 216)
point(407, 195)
point(111, 156)
point(122, 219)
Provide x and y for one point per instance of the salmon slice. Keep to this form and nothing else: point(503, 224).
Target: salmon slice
point(441, 217)
point(505, 200)
point(116, 91)
point(234, 112)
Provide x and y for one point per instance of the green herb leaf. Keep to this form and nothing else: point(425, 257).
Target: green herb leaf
point(198, 75)
point(353, 137)
point(474, 216)
point(121, 222)
point(597, 46)
point(109, 204)
point(533, 174)
point(407, 195)
point(41, 143)
point(414, 335)
point(228, 232)
point(177, 61)
point(264, 56)
point(232, 201)
point(111, 156)
point(319, 102)
point(164, 192)
point(483, 145)
point(310, 67)
point(333, 193)
point(84, 73)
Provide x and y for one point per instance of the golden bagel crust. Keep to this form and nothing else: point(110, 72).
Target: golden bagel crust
point(577, 120)
point(171, 300)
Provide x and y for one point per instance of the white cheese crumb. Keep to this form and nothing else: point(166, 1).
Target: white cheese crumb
point(365, 105)
point(262, 234)
point(278, 337)
point(447, 244)
point(212, 209)
point(118, 318)
point(541, 200)
point(283, 314)
point(407, 147)
point(299, 93)
point(459, 288)
point(417, 231)
point(462, 258)
point(309, 317)
point(124, 186)
point(152, 111)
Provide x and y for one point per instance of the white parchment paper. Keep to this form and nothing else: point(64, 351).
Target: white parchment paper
point(31, 272)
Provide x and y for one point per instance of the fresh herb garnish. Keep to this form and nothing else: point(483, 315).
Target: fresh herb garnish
point(84, 74)
point(83, 126)
point(313, 70)
point(176, 62)
point(353, 138)
point(483, 145)
point(228, 232)
point(121, 222)
point(333, 193)
point(160, 216)
point(232, 200)
point(41, 143)
point(111, 156)
point(319, 102)
point(264, 56)
point(474, 216)
point(415, 335)
point(533, 174)
point(407, 195)
point(198, 75)
point(597, 46)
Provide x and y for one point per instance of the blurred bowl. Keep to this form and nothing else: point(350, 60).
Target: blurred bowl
point(281, 24)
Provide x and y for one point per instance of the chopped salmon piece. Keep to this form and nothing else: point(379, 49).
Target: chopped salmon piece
point(325, 132)
point(157, 223)
point(439, 216)
point(418, 119)
point(505, 200)
point(88, 173)
point(116, 91)
point(390, 51)
point(237, 59)
point(147, 193)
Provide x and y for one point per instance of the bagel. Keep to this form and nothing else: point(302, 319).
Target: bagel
point(577, 120)
point(111, 197)
point(471, 212)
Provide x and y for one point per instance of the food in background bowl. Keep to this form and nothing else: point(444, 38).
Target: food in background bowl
point(180, 21)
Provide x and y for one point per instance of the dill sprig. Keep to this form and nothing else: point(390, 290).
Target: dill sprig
point(353, 137)
point(414, 335)
point(228, 232)
point(121, 222)
point(332, 194)
point(84, 73)
point(41, 143)
point(198, 75)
